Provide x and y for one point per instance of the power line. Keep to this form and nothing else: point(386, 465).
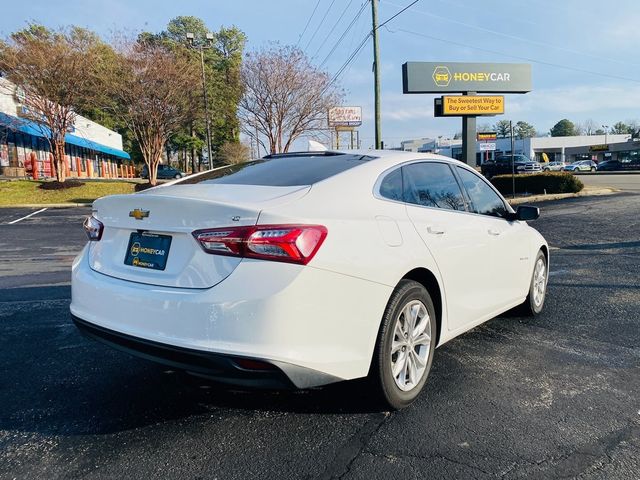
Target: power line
point(528, 59)
point(332, 28)
point(515, 37)
point(398, 13)
point(349, 60)
point(344, 34)
point(320, 24)
point(308, 22)
point(354, 54)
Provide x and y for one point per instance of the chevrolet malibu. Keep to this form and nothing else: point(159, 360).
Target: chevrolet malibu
point(300, 270)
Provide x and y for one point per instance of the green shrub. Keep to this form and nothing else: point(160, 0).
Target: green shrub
point(547, 182)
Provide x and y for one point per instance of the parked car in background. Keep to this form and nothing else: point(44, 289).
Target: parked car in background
point(164, 172)
point(615, 165)
point(553, 166)
point(502, 165)
point(260, 274)
point(581, 166)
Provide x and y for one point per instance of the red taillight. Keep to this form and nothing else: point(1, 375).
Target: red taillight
point(249, 364)
point(282, 243)
point(93, 228)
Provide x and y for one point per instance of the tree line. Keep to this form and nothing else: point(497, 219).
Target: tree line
point(563, 128)
point(150, 88)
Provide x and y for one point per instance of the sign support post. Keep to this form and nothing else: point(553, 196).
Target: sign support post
point(469, 137)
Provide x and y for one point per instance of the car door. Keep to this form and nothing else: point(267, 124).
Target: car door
point(508, 275)
point(436, 206)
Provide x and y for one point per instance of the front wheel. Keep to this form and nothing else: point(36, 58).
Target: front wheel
point(593, 169)
point(537, 287)
point(406, 341)
point(177, 175)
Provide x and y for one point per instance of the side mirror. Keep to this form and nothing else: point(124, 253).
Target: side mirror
point(524, 212)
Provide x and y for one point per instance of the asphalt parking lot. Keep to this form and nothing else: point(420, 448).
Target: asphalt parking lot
point(555, 396)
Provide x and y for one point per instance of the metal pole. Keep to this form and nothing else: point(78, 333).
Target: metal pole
point(206, 108)
point(469, 138)
point(376, 72)
point(513, 167)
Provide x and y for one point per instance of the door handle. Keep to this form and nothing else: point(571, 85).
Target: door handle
point(435, 230)
point(493, 232)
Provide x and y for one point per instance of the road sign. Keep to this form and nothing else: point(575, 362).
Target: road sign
point(345, 116)
point(432, 77)
point(487, 146)
point(459, 105)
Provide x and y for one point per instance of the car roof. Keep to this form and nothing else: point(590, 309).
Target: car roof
point(384, 159)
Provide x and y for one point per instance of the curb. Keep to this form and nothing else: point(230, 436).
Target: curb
point(595, 192)
point(47, 205)
point(608, 172)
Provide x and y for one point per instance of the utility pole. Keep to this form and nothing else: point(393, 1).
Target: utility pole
point(376, 72)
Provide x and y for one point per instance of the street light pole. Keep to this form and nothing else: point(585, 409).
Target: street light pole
point(606, 128)
point(513, 163)
point(376, 73)
point(201, 48)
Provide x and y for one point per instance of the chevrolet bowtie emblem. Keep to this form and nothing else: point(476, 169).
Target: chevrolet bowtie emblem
point(139, 214)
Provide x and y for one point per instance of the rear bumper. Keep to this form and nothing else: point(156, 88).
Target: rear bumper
point(223, 368)
point(315, 326)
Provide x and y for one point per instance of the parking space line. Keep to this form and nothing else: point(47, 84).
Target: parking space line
point(27, 216)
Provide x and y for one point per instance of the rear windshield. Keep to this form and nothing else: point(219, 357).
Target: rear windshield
point(284, 171)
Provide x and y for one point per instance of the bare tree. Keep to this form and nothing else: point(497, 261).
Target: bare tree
point(284, 97)
point(148, 90)
point(588, 127)
point(234, 152)
point(52, 72)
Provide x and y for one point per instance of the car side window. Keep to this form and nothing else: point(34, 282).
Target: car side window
point(391, 185)
point(432, 184)
point(484, 200)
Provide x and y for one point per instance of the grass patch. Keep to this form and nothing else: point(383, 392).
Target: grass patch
point(30, 192)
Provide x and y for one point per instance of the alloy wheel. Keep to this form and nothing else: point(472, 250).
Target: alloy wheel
point(411, 345)
point(539, 282)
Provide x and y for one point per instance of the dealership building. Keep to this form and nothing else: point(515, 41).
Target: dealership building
point(91, 149)
point(567, 149)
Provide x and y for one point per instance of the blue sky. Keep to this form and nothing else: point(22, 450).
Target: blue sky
point(580, 35)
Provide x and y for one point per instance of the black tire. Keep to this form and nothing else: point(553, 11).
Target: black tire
point(381, 375)
point(593, 169)
point(177, 175)
point(531, 307)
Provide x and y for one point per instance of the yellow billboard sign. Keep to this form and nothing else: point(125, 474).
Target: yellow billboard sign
point(472, 105)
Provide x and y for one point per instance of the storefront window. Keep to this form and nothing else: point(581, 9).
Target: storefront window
point(629, 156)
point(13, 152)
point(4, 151)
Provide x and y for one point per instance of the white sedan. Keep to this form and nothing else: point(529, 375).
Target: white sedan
point(581, 166)
point(299, 270)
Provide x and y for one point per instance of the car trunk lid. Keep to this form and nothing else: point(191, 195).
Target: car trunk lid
point(145, 230)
